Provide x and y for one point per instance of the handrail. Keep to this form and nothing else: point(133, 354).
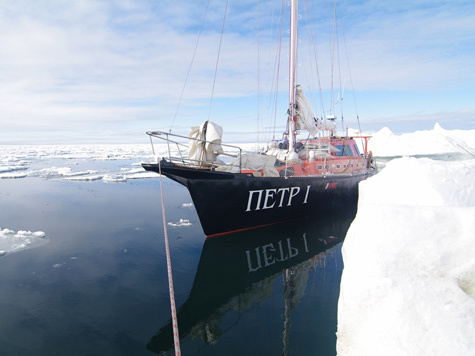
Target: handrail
point(173, 139)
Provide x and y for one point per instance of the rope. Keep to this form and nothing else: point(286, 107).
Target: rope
point(176, 337)
point(189, 68)
point(217, 59)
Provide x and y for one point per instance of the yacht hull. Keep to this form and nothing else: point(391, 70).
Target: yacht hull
point(231, 202)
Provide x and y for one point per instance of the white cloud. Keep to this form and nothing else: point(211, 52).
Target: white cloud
point(99, 65)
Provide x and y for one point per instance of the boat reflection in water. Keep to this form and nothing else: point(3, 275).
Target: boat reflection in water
point(238, 270)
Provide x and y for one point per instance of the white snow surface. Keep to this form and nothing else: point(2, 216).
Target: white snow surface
point(384, 143)
point(408, 284)
point(17, 161)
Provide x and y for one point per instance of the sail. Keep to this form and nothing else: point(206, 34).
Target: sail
point(307, 121)
point(305, 117)
point(205, 142)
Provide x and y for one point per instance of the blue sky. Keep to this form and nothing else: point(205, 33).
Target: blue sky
point(107, 71)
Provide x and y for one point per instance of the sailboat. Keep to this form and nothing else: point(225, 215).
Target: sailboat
point(292, 178)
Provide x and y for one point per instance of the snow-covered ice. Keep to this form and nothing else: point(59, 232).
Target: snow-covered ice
point(384, 143)
point(408, 284)
point(13, 175)
point(14, 241)
point(21, 161)
point(180, 223)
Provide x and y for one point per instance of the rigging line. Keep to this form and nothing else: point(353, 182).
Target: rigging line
point(279, 56)
point(470, 153)
point(348, 61)
point(332, 36)
point(176, 336)
point(265, 95)
point(258, 71)
point(272, 71)
point(189, 68)
point(349, 72)
point(267, 92)
point(340, 94)
point(217, 59)
point(313, 42)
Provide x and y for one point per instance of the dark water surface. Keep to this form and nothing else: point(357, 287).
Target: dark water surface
point(99, 285)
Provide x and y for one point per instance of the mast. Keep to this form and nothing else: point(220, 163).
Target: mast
point(292, 78)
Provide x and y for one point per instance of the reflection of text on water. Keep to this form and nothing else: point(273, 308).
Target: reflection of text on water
point(267, 255)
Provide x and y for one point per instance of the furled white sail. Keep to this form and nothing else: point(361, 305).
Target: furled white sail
point(307, 121)
point(205, 142)
point(305, 117)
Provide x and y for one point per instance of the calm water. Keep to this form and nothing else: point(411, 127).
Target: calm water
point(99, 285)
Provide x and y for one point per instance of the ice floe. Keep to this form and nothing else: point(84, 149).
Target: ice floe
point(182, 222)
point(21, 161)
point(14, 241)
point(408, 284)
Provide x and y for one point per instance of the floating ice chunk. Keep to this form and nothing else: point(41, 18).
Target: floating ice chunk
point(13, 175)
point(82, 173)
point(142, 175)
point(6, 169)
point(182, 222)
point(11, 241)
point(51, 172)
point(114, 178)
point(84, 177)
point(31, 234)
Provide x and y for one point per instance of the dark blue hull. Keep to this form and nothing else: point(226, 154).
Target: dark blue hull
point(230, 202)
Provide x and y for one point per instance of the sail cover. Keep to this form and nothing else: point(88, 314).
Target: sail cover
point(305, 117)
point(254, 162)
point(327, 124)
point(205, 142)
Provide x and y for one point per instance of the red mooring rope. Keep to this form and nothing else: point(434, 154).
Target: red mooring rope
point(176, 336)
